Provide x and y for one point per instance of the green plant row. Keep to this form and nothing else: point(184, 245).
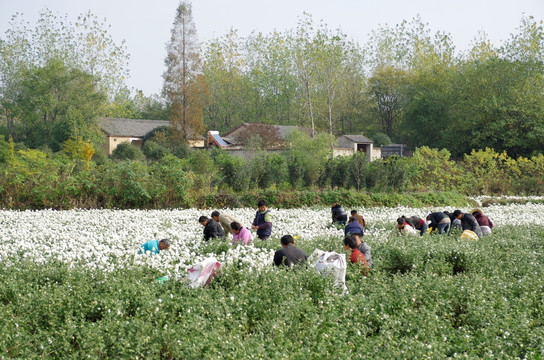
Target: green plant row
point(427, 298)
point(32, 179)
point(348, 198)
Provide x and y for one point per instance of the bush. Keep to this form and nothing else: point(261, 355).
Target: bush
point(435, 169)
point(154, 151)
point(381, 139)
point(126, 151)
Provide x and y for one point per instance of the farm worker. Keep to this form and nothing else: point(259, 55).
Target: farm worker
point(339, 215)
point(212, 229)
point(353, 227)
point(485, 223)
point(263, 221)
point(154, 246)
point(455, 223)
point(224, 220)
point(468, 222)
point(359, 218)
point(289, 254)
point(404, 228)
point(356, 257)
point(240, 233)
point(417, 223)
point(364, 248)
point(439, 221)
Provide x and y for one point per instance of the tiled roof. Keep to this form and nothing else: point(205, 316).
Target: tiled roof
point(360, 139)
point(131, 127)
point(274, 134)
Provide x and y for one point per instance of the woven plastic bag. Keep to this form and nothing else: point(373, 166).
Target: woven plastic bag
point(469, 235)
point(202, 273)
point(327, 262)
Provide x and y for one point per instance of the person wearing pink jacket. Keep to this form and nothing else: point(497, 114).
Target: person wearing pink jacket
point(240, 233)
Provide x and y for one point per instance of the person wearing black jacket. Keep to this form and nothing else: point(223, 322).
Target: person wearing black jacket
point(289, 254)
point(439, 221)
point(211, 228)
point(339, 215)
point(468, 222)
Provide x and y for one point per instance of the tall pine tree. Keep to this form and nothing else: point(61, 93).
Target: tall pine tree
point(181, 78)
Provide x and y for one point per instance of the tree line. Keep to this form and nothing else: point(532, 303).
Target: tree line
point(304, 175)
point(405, 84)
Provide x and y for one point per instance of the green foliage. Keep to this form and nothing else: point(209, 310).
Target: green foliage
point(426, 298)
point(154, 151)
point(5, 152)
point(532, 178)
point(170, 185)
point(127, 151)
point(435, 169)
point(267, 169)
point(392, 173)
point(57, 103)
point(491, 171)
point(125, 184)
point(306, 157)
point(380, 139)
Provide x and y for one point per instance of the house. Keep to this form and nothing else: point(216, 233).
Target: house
point(118, 131)
point(350, 144)
point(395, 149)
point(272, 138)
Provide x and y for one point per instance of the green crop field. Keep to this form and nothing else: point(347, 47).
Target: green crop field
point(431, 297)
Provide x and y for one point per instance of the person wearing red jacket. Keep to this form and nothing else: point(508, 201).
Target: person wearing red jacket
point(357, 257)
point(483, 220)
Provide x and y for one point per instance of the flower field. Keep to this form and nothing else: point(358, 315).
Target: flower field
point(72, 284)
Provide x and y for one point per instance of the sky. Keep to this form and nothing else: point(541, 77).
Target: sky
point(145, 25)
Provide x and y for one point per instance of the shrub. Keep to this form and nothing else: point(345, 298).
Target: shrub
point(154, 151)
point(491, 172)
point(126, 151)
point(435, 170)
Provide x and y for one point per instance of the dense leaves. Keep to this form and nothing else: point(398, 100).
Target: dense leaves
point(425, 298)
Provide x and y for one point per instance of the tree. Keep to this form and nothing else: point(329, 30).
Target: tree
point(307, 157)
point(181, 84)
point(304, 58)
point(79, 150)
point(273, 80)
point(99, 55)
point(57, 103)
point(387, 88)
point(227, 84)
point(332, 69)
point(528, 43)
point(85, 46)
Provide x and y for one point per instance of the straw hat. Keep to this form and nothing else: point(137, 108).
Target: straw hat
point(476, 210)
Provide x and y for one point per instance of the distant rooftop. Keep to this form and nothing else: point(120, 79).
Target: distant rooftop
point(360, 139)
point(131, 127)
point(272, 134)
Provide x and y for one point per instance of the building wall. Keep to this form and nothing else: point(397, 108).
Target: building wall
point(113, 141)
point(342, 152)
point(376, 153)
point(371, 152)
point(196, 143)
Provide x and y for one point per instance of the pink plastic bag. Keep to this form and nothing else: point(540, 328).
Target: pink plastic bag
point(201, 274)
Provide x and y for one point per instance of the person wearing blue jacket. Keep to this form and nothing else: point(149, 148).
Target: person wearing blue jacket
point(263, 221)
point(353, 227)
point(154, 246)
